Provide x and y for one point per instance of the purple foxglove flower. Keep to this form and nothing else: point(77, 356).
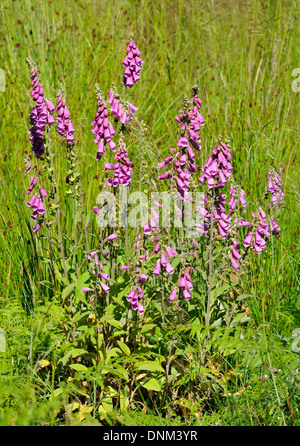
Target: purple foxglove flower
point(275, 188)
point(112, 237)
point(183, 142)
point(262, 214)
point(86, 289)
point(152, 223)
point(182, 282)
point(41, 208)
point(164, 163)
point(245, 223)
point(263, 231)
point(189, 285)
point(236, 254)
point(40, 115)
point(104, 287)
point(109, 166)
point(133, 64)
point(196, 244)
point(103, 130)
point(92, 254)
point(154, 214)
point(122, 169)
point(186, 294)
point(156, 248)
point(50, 106)
point(64, 127)
point(223, 233)
point(274, 227)
point(234, 263)
point(163, 176)
point(172, 295)
point(169, 268)
point(123, 268)
point(163, 259)
point(104, 276)
point(37, 228)
point(242, 198)
point(146, 229)
point(43, 192)
point(156, 270)
point(170, 252)
point(140, 308)
point(248, 239)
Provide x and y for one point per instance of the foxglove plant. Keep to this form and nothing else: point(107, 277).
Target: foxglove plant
point(137, 277)
point(121, 109)
point(65, 127)
point(259, 230)
point(275, 188)
point(41, 119)
point(132, 64)
point(218, 167)
point(103, 129)
point(122, 169)
point(66, 130)
point(41, 114)
point(182, 159)
point(36, 203)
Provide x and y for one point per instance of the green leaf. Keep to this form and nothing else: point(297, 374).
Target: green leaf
point(151, 366)
point(83, 279)
point(124, 348)
point(152, 384)
point(57, 392)
point(124, 291)
point(245, 296)
point(147, 327)
point(117, 371)
point(111, 321)
point(79, 315)
point(113, 352)
point(175, 262)
point(68, 290)
point(75, 352)
point(79, 367)
point(219, 291)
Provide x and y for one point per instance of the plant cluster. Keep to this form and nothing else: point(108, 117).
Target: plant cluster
point(122, 309)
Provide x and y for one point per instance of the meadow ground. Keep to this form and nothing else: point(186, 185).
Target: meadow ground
point(175, 365)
